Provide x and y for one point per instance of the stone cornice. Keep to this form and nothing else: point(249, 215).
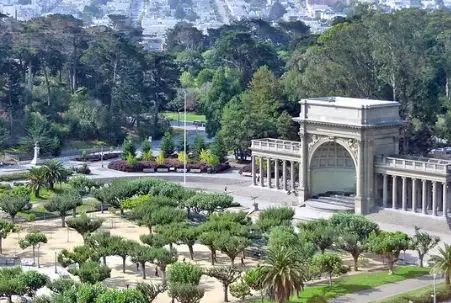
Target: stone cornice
point(349, 126)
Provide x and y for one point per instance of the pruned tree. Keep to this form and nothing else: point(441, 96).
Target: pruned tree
point(84, 224)
point(13, 203)
point(33, 240)
point(6, 227)
point(388, 245)
point(63, 203)
point(328, 263)
point(231, 245)
point(423, 242)
point(224, 274)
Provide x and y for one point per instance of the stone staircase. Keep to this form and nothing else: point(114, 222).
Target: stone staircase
point(331, 204)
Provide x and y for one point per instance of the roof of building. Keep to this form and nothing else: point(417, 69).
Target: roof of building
point(351, 102)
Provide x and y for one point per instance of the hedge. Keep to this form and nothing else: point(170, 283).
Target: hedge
point(122, 165)
point(14, 176)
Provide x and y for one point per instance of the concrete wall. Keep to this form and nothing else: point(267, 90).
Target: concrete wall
point(332, 179)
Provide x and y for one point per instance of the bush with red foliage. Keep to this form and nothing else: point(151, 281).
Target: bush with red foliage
point(122, 165)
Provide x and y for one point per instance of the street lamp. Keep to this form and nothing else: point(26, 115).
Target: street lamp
point(435, 294)
point(184, 141)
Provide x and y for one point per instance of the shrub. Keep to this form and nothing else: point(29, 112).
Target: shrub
point(166, 144)
point(83, 169)
point(147, 156)
point(128, 148)
point(15, 176)
point(160, 158)
point(131, 161)
point(145, 146)
point(135, 201)
point(181, 156)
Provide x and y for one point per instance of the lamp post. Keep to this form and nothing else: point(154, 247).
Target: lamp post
point(184, 141)
point(435, 294)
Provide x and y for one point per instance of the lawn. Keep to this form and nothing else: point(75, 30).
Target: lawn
point(189, 116)
point(418, 294)
point(358, 282)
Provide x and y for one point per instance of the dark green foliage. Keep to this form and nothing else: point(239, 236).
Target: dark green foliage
point(184, 272)
point(84, 224)
point(275, 216)
point(128, 149)
point(166, 144)
point(197, 146)
point(63, 203)
point(121, 296)
point(92, 272)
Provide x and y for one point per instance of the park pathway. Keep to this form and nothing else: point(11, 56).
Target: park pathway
point(385, 291)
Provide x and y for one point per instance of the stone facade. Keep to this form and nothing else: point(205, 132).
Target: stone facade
point(352, 146)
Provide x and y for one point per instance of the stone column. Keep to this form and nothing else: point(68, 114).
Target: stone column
point(254, 176)
point(404, 193)
point(424, 197)
point(276, 173)
point(384, 191)
point(394, 192)
point(445, 199)
point(284, 175)
point(414, 195)
point(262, 182)
point(292, 176)
point(268, 171)
point(434, 198)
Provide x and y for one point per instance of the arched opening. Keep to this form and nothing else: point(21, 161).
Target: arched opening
point(332, 171)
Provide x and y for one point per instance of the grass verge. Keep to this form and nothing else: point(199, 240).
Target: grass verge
point(189, 116)
point(358, 282)
point(420, 295)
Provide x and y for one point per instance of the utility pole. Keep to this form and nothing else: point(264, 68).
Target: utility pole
point(184, 142)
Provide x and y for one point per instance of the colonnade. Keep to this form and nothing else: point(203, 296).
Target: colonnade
point(415, 195)
point(273, 166)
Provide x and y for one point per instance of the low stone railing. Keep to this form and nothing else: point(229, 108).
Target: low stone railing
point(429, 165)
point(276, 145)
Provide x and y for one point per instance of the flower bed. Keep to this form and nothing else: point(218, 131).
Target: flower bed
point(169, 164)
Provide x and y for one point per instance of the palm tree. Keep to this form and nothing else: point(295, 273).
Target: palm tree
point(54, 172)
point(282, 274)
point(442, 262)
point(37, 179)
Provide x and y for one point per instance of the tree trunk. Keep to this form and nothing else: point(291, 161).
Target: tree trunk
point(232, 261)
point(212, 254)
point(447, 279)
point(13, 219)
point(34, 255)
point(9, 298)
point(63, 220)
point(390, 267)
point(47, 84)
point(123, 263)
point(330, 279)
point(190, 248)
point(421, 257)
point(447, 94)
point(51, 185)
point(74, 212)
point(356, 260)
point(101, 207)
point(226, 293)
point(163, 270)
point(37, 194)
point(143, 267)
point(171, 246)
point(104, 260)
point(1, 246)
